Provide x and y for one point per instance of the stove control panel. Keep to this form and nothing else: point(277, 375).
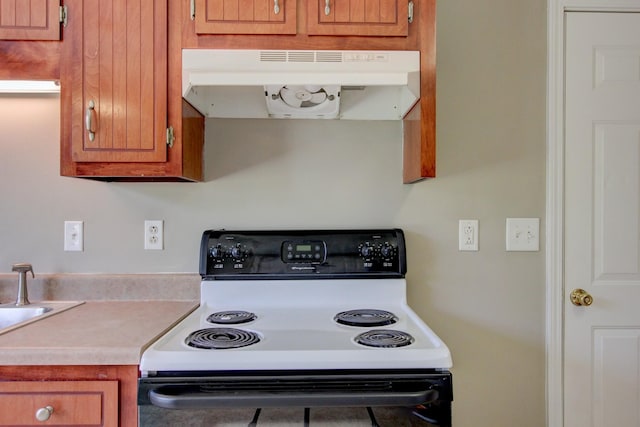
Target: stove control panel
point(321, 254)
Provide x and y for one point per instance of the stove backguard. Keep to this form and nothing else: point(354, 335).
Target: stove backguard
point(319, 254)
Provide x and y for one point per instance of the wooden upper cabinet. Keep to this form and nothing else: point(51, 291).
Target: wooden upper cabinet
point(29, 19)
point(245, 16)
point(114, 84)
point(358, 17)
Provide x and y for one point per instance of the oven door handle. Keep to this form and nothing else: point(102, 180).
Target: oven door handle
point(190, 400)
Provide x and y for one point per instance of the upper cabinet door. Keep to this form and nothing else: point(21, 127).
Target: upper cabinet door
point(245, 16)
point(29, 19)
point(116, 80)
point(358, 17)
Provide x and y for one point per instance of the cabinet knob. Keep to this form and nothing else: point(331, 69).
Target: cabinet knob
point(43, 414)
point(327, 7)
point(276, 7)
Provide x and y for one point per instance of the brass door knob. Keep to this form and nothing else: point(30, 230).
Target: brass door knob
point(580, 297)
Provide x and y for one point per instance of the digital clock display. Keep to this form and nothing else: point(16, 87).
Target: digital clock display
point(304, 251)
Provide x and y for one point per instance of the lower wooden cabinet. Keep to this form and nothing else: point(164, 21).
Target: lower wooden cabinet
point(88, 396)
point(69, 403)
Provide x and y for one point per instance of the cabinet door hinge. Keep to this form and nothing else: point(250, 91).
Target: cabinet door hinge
point(192, 9)
point(410, 12)
point(63, 15)
point(170, 137)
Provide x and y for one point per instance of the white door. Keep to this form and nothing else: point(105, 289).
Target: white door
point(602, 219)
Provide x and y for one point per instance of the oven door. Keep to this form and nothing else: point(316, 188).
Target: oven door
point(394, 398)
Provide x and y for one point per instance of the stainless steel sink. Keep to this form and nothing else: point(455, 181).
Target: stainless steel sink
point(12, 316)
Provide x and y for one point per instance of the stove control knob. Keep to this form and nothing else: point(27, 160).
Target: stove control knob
point(217, 252)
point(237, 252)
point(387, 250)
point(366, 250)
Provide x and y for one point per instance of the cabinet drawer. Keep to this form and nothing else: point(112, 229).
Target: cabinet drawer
point(87, 403)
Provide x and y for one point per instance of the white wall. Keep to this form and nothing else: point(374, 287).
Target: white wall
point(488, 305)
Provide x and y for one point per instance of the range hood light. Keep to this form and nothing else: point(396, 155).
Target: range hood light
point(29, 86)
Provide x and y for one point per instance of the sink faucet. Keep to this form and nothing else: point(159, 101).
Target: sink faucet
point(22, 269)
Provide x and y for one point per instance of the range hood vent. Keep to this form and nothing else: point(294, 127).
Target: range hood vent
point(351, 85)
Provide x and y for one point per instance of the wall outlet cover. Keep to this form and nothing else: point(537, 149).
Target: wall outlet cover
point(468, 235)
point(154, 235)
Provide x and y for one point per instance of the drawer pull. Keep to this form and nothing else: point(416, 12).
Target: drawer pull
point(43, 414)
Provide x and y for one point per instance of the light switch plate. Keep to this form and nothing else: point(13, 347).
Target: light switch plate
point(523, 234)
point(73, 236)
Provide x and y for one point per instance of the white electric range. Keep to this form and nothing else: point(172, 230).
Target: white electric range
point(299, 319)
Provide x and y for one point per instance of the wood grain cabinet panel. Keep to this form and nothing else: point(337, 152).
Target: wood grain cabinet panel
point(120, 95)
point(69, 403)
point(116, 82)
point(29, 20)
point(245, 16)
point(76, 394)
point(382, 18)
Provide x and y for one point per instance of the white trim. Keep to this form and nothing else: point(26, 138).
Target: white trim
point(555, 185)
point(29, 86)
point(555, 191)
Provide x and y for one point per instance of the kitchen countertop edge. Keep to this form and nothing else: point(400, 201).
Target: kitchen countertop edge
point(93, 333)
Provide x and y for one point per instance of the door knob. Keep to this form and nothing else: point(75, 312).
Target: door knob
point(580, 297)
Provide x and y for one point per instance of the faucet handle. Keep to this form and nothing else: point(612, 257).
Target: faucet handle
point(23, 267)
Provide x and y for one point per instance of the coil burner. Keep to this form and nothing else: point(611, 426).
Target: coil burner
point(369, 318)
point(384, 338)
point(231, 317)
point(221, 338)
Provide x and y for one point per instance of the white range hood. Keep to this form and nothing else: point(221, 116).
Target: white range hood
point(352, 85)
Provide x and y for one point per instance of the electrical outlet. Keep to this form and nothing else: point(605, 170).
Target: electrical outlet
point(153, 235)
point(468, 235)
point(523, 234)
point(73, 236)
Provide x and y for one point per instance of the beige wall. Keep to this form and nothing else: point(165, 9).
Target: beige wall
point(488, 305)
